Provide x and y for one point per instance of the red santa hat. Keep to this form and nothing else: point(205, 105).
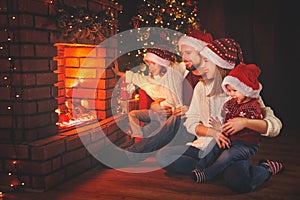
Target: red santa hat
point(244, 78)
point(197, 39)
point(224, 52)
point(160, 56)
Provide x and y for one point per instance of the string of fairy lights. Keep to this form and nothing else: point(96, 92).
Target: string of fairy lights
point(174, 14)
point(75, 23)
point(8, 78)
point(177, 15)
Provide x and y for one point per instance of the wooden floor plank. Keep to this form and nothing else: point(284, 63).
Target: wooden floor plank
point(104, 183)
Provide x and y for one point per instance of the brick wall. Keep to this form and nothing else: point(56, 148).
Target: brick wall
point(47, 162)
point(30, 93)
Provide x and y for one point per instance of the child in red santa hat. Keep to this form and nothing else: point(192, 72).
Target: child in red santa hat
point(243, 87)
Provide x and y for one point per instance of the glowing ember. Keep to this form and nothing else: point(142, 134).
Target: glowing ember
point(74, 122)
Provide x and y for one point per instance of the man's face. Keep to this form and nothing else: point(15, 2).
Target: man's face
point(190, 57)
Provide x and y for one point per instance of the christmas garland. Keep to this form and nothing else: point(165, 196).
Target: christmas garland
point(81, 23)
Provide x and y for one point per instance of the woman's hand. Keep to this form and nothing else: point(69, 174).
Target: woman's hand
point(234, 125)
point(222, 140)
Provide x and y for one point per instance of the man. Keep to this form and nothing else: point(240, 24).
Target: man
point(190, 47)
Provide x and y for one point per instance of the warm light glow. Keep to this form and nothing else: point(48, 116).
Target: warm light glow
point(58, 111)
point(14, 162)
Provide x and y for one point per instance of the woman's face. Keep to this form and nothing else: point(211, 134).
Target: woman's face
point(208, 68)
point(154, 68)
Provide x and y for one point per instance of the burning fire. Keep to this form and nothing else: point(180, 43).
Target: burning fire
point(72, 114)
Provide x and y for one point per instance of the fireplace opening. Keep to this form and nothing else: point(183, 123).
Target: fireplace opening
point(85, 85)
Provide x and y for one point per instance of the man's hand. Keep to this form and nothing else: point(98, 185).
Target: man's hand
point(162, 110)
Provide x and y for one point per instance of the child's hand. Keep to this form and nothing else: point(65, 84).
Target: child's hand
point(116, 70)
point(215, 123)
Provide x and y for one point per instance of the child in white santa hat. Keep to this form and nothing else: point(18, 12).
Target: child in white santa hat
point(161, 85)
point(242, 85)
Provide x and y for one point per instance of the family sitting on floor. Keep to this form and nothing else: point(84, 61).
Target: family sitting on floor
point(207, 116)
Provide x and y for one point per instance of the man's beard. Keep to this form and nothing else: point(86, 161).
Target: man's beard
point(192, 68)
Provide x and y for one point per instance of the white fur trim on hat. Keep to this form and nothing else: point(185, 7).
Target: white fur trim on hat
point(241, 87)
point(198, 45)
point(156, 59)
point(208, 53)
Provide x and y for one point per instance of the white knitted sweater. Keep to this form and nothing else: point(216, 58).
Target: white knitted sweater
point(169, 86)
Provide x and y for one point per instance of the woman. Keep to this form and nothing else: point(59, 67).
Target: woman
point(218, 58)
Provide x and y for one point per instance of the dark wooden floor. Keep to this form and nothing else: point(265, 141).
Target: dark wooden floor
point(101, 183)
